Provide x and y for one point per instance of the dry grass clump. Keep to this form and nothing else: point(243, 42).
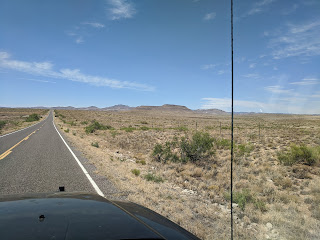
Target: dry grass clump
point(272, 200)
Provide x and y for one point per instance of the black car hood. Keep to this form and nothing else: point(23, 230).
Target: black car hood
point(81, 216)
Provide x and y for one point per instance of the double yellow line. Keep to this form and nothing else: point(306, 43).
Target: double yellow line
point(6, 153)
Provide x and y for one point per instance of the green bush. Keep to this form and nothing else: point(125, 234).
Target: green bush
point(136, 172)
point(299, 154)
point(154, 178)
point(2, 123)
point(245, 197)
point(243, 149)
point(33, 117)
point(96, 126)
point(84, 123)
point(197, 148)
point(144, 128)
point(95, 144)
point(165, 153)
point(200, 146)
point(67, 130)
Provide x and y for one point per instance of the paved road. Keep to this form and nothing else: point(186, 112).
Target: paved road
point(37, 160)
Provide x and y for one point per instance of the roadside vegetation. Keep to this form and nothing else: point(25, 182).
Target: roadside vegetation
point(179, 166)
point(12, 119)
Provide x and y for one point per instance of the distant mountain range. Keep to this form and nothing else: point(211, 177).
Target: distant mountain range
point(163, 108)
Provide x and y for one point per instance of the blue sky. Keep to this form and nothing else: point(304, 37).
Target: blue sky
point(154, 52)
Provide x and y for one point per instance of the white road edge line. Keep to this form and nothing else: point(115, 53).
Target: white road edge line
point(24, 128)
point(95, 186)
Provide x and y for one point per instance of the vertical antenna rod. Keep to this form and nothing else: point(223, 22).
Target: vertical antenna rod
point(231, 170)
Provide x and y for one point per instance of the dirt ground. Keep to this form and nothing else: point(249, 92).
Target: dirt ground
point(281, 202)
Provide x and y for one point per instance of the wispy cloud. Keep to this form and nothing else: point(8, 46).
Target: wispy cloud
point(291, 9)
point(277, 89)
point(307, 81)
point(297, 40)
point(259, 7)
point(37, 80)
point(288, 105)
point(209, 16)
point(45, 69)
point(220, 72)
point(208, 66)
point(252, 65)
point(79, 40)
point(94, 24)
point(252, 75)
point(121, 9)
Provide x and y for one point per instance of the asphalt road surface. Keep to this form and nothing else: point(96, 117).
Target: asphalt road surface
point(36, 160)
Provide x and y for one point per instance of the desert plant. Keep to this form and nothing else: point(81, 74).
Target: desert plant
point(197, 148)
point(33, 117)
point(136, 172)
point(95, 144)
point(84, 122)
point(222, 143)
point(128, 129)
point(95, 125)
point(66, 130)
point(299, 154)
point(243, 149)
point(153, 178)
point(144, 128)
point(2, 123)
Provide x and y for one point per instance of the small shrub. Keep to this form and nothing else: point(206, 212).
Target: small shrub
point(154, 178)
point(197, 148)
point(128, 129)
point(181, 128)
point(72, 123)
point(84, 123)
point(136, 172)
point(144, 128)
point(243, 149)
point(299, 154)
point(74, 133)
point(142, 162)
point(95, 144)
point(245, 197)
point(144, 122)
point(33, 117)
point(2, 123)
point(96, 126)
point(223, 143)
point(66, 130)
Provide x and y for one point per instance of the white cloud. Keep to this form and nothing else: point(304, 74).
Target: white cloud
point(79, 40)
point(121, 9)
point(293, 105)
point(252, 65)
point(220, 72)
point(291, 9)
point(208, 66)
point(297, 40)
point(307, 81)
point(252, 75)
point(45, 69)
point(94, 24)
point(277, 89)
point(37, 80)
point(209, 16)
point(259, 7)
